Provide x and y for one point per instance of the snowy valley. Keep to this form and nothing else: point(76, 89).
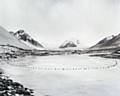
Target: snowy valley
point(65, 71)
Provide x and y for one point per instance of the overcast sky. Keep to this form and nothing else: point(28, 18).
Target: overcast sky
point(53, 21)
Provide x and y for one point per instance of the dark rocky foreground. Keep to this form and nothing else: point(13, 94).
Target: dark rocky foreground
point(10, 88)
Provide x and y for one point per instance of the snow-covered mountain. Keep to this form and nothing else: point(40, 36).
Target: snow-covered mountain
point(72, 43)
point(7, 39)
point(27, 39)
point(108, 42)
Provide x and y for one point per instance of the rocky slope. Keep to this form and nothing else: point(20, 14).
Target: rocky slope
point(27, 39)
point(7, 39)
point(108, 42)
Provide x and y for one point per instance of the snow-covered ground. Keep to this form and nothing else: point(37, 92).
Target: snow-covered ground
point(75, 75)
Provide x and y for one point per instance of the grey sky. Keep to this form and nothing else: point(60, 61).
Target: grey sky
point(53, 21)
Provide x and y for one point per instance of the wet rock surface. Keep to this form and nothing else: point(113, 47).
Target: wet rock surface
point(10, 88)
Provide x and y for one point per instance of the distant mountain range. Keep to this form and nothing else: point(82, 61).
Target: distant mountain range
point(73, 43)
point(108, 42)
point(27, 39)
point(23, 40)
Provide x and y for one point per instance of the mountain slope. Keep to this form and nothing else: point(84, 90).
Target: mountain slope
point(27, 39)
point(70, 44)
point(7, 39)
point(108, 42)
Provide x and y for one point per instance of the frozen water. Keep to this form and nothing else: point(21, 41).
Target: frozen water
point(75, 75)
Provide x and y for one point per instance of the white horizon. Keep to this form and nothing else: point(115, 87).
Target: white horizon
point(51, 22)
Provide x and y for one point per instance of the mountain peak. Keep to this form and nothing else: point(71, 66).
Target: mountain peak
point(111, 41)
point(27, 39)
point(70, 43)
point(7, 39)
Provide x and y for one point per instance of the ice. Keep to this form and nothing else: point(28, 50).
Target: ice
point(97, 80)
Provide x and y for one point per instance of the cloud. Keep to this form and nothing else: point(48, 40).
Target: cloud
point(53, 21)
